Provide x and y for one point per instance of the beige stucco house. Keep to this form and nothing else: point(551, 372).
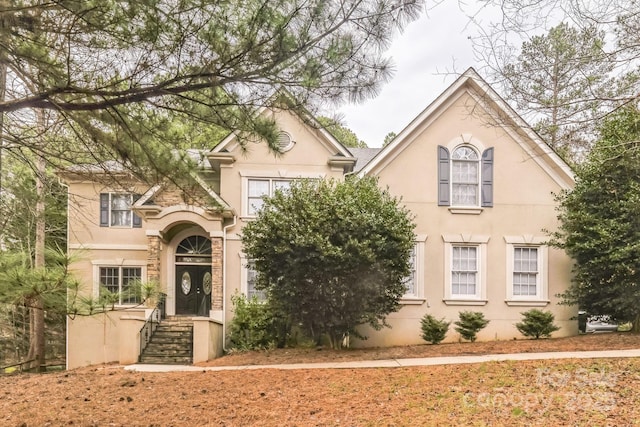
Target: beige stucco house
point(479, 181)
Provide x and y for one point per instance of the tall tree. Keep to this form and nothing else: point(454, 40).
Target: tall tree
point(600, 37)
point(600, 225)
point(556, 80)
point(214, 62)
point(332, 255)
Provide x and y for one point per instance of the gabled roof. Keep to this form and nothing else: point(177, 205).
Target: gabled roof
point(143, 203)
point(228, 143)
point(471, 83)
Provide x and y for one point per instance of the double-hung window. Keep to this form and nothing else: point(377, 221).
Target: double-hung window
point(257, 189)
point(465, 175)
point(121, 282)
point(526, 271)
point(464, 271)
point(465, 266)
point(410, 282)
point(115, 210)
point(414, 281)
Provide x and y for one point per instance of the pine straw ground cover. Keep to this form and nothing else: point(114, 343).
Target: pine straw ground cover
point(597, 392)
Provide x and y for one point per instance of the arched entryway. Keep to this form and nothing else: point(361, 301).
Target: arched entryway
point(193, 276)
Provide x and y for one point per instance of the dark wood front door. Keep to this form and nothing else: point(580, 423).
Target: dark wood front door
point(193, 289)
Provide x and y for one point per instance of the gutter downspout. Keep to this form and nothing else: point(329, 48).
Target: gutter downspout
point(224, 280)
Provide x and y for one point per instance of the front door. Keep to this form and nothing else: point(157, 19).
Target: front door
point(193, 289)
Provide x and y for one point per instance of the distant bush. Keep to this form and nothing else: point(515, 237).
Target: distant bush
point(434, 330)
point(537, 323)
point(470, 323)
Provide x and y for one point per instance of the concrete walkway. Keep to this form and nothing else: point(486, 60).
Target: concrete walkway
point(398, 363)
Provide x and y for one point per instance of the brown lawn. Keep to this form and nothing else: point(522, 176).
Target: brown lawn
point(598, 392)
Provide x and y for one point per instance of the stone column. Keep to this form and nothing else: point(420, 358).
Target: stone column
point(217, 258)
point(153, 257)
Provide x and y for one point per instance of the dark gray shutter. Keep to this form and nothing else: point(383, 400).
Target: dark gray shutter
point(104, 209)
point(487, 178)
point(444, 188)
point(137, 221)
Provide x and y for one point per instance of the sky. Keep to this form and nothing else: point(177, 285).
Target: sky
point(428, 56)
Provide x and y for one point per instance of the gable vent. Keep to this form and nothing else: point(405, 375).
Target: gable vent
point(285, 143)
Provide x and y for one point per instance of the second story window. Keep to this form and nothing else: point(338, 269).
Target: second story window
point(465, 174)
point(257, 189)
point(115, 210)
point(465, 178)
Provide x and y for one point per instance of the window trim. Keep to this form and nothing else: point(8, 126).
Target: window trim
point(541, 299)
point(119, 264)
point(462, 240)
point(417, 297)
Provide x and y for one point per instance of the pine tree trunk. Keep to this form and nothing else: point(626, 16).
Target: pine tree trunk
point(36, 316)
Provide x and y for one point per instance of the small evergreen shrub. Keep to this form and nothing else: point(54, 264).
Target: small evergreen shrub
point(434, 330)
point(537, 323)
point(470, 323)
point(256, 325)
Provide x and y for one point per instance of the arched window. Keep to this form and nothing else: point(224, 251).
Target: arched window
point(194, 250)
point(465, 176)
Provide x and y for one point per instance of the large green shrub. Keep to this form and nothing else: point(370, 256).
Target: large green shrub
point(434, 330)
point(537, 323)
point(256, 325)
point(332, 255)
point(470, 323)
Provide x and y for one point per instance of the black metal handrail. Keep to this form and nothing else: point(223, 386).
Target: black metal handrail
point(149, 327)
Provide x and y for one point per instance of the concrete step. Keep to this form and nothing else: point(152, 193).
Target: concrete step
point(164, 339)
point(174, 328)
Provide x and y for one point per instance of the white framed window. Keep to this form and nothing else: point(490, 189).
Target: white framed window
point(465, 176)
point(410, 282)
point(414, 282)
point(248, 277)
point(258, 188)
point(465, 269)
point(115, 210)
point(121, 281)
point(527, 260)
